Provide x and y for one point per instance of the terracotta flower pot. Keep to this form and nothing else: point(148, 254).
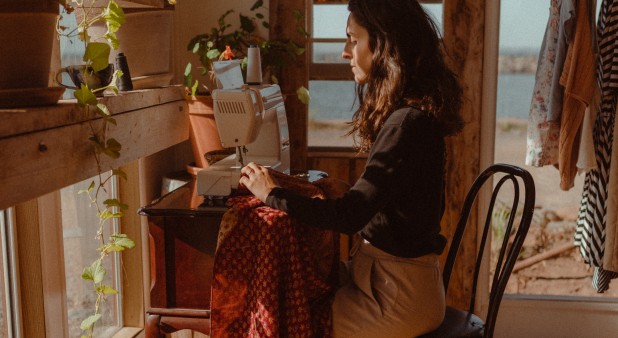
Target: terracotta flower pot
point(26, 52)
point(204, 135)
point(145, 39)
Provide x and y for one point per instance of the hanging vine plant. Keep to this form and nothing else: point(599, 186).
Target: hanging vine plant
point(96, 59)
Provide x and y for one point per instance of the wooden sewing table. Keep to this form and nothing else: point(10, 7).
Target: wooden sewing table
point(183, 237)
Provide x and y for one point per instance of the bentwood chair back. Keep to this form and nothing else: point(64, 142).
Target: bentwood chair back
point(464, 323)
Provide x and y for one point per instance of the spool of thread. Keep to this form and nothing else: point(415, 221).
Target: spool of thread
point(124, 83)
point(254, 66)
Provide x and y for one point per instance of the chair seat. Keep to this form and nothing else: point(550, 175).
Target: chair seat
point(458, 323)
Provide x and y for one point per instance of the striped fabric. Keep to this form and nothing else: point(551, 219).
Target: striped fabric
point(591, 223)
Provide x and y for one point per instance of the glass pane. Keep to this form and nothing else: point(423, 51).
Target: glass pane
point(332, 105)
point(80, 225)
point(328, 52)
point(329, 21)
point(522, 28)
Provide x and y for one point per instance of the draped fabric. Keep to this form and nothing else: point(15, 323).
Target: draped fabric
point(579, 81)
point(591, 223)
point(274, 277)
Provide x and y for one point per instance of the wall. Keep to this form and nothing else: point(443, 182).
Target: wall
point(192, 17)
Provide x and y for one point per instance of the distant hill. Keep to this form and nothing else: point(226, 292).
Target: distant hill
point(518, 60)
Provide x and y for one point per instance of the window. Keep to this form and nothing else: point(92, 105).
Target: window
point(522, 27)
point(79, 227)
point(332, 88)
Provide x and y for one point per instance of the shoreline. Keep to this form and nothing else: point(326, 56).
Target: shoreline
point(510, 147)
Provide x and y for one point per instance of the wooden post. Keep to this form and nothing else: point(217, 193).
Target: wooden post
point(283, 25)
point(463, 38)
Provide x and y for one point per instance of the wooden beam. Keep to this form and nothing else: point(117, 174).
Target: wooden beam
point(29, 264)
point(463, 38)
point(132, 260)
point(283, 26)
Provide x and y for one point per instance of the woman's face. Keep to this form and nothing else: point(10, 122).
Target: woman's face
point(357, 50)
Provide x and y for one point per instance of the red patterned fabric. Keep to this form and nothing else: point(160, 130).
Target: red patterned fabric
point(273, 277)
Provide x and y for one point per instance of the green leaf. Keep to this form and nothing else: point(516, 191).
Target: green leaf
point(90, 187)
point(194, 89)
point(105, 215)
point(213, 54)
point(104, 113)
point(112, 202)
point(112, 39)
point(97, 53)
point(85, 96)
point(188, 78)
point(113, 85)
point(246, 24)
point(114, 16)
point(298, 15)
point(265, 24)
point(259, 15)
point(257, 4)
point(95, 272)
point(303, 95)
point(123, 240)
point(113, 144)
point(108, 290)
point(112, 148)
point(88, 322)
point(119, 173)
point(98, 144)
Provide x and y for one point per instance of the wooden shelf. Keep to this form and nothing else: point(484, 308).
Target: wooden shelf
point(43, 149)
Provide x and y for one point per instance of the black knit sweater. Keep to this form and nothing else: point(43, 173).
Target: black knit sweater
point(398, 201)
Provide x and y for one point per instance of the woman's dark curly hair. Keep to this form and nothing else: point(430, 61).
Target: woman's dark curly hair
point(408, 68)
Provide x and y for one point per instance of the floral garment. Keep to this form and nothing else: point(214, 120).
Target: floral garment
point(546, 106)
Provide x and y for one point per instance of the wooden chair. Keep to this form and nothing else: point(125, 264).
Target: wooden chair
point(464, 323)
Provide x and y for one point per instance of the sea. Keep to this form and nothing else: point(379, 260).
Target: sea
point(335, 100)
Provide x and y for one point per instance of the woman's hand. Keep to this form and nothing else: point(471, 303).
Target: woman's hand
point(258, 180)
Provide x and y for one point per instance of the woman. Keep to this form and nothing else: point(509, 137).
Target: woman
point(409, 101)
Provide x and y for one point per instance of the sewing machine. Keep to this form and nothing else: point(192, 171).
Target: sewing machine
point(252, 120)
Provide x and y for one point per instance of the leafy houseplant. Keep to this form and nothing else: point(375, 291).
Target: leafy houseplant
point(96, 58)
point(225, 42)
point(222, 42)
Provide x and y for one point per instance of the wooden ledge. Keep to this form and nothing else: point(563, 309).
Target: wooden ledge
point(43, 149)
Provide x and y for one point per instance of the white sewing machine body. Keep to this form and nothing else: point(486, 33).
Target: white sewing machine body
point(253, 118)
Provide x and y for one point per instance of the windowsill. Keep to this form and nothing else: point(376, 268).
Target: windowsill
point(129, 332)
point(47, 148)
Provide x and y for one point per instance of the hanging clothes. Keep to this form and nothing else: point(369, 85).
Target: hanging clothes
point(579, 81)
point(591, 222)
point(610, 258)
point(546, 106)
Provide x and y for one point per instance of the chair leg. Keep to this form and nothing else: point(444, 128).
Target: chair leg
point(152, 326)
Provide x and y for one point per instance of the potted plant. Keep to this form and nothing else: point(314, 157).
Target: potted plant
point(96, 62)
point(225, 42)
point(27, 38)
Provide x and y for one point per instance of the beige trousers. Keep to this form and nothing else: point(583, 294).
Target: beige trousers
point(389, 296)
